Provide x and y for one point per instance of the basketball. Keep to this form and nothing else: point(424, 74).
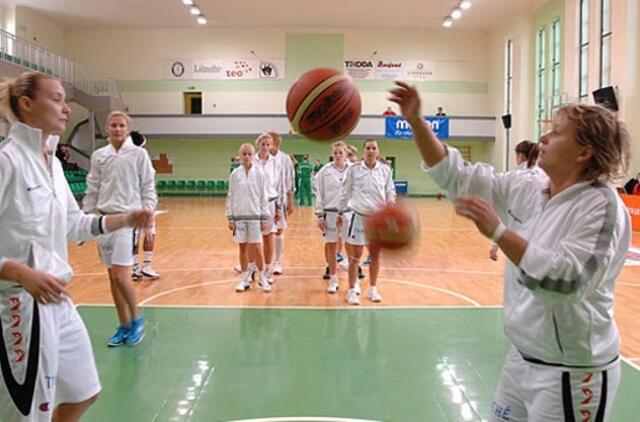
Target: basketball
point(393, 227)
point(324, 105)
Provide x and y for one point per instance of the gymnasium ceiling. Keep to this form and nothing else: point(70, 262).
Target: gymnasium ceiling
point(275, 13)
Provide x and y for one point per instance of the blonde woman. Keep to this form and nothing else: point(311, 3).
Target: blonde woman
point(38, 216)
point(110, 191)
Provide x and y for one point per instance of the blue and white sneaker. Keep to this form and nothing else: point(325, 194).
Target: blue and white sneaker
point(136, 331)
point(119, 337)
point(339, 257)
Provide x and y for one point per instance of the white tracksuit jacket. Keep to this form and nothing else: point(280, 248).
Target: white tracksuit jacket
point(247, 196)
point(273, 178)
point(120, 181)
point(38, 213)
point(558, 304)
point(328, 183)
point(367, 190)
point(287, 172)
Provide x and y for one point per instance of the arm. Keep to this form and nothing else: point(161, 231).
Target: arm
point(347, 189)
point(147, 182)
point(390, 189)
point(90, 200)
point(318, 180)
point(230, 196)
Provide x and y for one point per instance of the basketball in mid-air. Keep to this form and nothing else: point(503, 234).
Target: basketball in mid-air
point(324, 105)
point(395, 226)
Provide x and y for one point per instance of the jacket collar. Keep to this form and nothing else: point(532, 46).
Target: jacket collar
point(127, 144)
point(375, 166)
point(31, 138)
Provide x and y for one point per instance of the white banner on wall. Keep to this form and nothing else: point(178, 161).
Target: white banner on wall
point(390, 70)
point(227, 69)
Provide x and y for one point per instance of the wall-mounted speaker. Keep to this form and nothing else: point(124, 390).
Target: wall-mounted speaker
point(506, 121)
point(607, 97)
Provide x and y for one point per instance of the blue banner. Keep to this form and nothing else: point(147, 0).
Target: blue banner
point(397, 127)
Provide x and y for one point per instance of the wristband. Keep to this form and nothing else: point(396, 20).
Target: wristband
point(498, 232)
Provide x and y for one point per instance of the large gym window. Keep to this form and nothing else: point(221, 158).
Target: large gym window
point(583, 52)
point(555, 58)
point(605, 43)
point(541, 92)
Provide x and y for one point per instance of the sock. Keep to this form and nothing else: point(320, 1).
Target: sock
point(279, 246)
point(147, 258)
point(136, 266)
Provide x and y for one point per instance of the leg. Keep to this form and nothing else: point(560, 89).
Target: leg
point(508, 404)
point(374, 267)
point(256, 253)
point(72, 412)
point(118, 299)
point(149, 241)
point(330, 256)
point(355, 253)
point(244, 256)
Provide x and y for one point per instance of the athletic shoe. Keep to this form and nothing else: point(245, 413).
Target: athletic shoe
point(148, 272)
point(333, 285)
point(360, 272)
point(357, 287)
point(374, 295)
point(119, 337)
point(245, 282)
point(136, 331)
point(264, 283)
point(326, 275)
point(277, 268)
point(352, 297)
point(252, 269)
point(339, 257)
point(344, 264)
point(367, 261)
point(136, 275)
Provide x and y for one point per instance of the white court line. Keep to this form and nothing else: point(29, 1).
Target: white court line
point(303, 419)
point(219, 282)
point(630, 363)
point(423, 269)
point(628, 284)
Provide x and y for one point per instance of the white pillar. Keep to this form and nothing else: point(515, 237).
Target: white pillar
point(631, 89)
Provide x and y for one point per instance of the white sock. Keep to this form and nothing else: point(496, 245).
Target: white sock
point(148, 255)
point(279, 246)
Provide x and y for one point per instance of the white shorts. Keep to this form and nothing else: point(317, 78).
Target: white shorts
point(354, 224)
point(65, 372)
point(539, 393)
point(331, 233)
point(116, 248)
point(271, 224)
point(247, 232)
point(140, 233)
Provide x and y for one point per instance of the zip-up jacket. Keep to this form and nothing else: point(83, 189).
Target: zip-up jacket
point(247, 195)
point(367, 190)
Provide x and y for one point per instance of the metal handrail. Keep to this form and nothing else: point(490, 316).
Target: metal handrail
point(34, 57)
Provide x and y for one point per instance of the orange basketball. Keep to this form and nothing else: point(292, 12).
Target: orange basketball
point(324, 105)
point(393, 227)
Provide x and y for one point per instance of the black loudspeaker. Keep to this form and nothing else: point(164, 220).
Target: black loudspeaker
point(506, 121)
point(607, 97)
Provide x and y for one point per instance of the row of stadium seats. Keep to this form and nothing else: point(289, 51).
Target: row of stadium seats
point(199, 187)
point(75, 175)
point(25, 63)
point(78, 188)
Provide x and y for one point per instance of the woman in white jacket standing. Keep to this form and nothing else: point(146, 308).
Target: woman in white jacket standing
point(329, 182)
point(43, 337)
point(110, 190)
point(368, 188)
point(563, 259)
point(247, 212)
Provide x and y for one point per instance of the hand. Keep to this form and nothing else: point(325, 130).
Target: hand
point(493, 253)
point(290, 209)
point(278, 216)
point(407, 97)
point(321, 223)
point(480, 212)
point(231, 225)
point(44, 287)
point(264, 225)
point(140, 218)
point(339, 222)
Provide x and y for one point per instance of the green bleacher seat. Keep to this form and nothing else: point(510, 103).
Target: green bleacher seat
point(171, 184)
point(211, 185)
point(201, 185)
point(181, 185)
point(226, 185)
point(220, 185)
point(191, 185)
point(161, 184)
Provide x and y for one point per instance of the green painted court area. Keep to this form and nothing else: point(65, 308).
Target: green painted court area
point(198, 364)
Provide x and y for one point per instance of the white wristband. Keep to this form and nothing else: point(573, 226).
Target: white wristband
point(498, 232)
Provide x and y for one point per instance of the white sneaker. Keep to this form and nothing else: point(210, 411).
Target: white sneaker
point(357, 288)
point(264, 283)
point(277, 268)
point(344, 264)
point(374, 295)
point(245, 282)
point(333, 285)
point(148, 272)
point(352, 297)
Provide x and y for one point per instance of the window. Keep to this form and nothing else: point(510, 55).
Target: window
point(605, 43)
point(541, 92)
point(509, 77)
point(555, 58)
point(583, 52)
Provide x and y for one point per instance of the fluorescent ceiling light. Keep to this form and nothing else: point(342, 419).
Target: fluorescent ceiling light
point(465, 4)
point(456, 13)
point(447, 22)
point(202, 20)
point(195, 10)
point(187, 2)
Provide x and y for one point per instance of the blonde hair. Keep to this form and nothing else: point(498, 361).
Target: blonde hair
point(262, 136)
point(118, 113)
point(247, 146)
point(275, 137)
point(339, 144)
point(353, 149)
point(599, 127)
point(11, 90)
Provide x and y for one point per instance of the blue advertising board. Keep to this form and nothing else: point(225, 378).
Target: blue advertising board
point(397, 127)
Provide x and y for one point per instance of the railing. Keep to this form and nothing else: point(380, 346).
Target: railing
point(32, 56)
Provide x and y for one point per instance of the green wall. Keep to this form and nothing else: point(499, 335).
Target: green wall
point(209, 158)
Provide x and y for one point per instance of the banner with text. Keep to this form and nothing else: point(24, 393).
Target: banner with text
point(390, 70)
point(227, 69)
point(397, 127)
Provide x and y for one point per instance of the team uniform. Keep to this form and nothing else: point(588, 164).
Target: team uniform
point(45, 353)
point(287, 177)
point(329, 182)
point(558, 303)
point(247, 204)
point(110, 191)
point(365, 191)
point(273, 188)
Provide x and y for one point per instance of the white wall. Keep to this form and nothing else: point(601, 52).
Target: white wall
point(8, 16)
point(36, 28)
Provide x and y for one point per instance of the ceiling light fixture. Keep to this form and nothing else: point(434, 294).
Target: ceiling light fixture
point(456, 13)
point(447, 22)
point(195, 10)
point(187, 2)
point(465, 4)
point(202, 20)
